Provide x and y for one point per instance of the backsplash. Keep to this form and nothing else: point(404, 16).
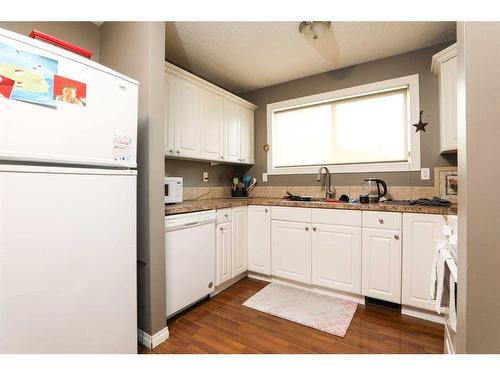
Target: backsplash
point(395, 192)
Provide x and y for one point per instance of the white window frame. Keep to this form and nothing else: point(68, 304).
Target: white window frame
point(413, 164)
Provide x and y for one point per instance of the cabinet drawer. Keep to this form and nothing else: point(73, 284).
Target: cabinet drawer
point(382, 220)
point(302, 215)
point(336, 217)
point(223, 215)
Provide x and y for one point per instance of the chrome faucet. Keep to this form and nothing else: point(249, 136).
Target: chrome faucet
point(329, 194)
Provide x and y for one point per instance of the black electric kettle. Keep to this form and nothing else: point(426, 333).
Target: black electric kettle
point(371, 190)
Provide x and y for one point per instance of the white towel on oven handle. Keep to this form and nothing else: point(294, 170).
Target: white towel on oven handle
point(452, 312)
point(438, 272)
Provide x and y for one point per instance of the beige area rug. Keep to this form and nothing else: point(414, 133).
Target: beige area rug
point(325, 313)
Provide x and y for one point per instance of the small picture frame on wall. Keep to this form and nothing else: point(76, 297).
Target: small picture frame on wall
point(446, 183)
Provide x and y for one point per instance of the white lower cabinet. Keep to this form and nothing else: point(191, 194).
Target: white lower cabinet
point(291, 250)
point(224, 253)
point(231, 243)
point(421, 233)
point(239, 240)
point(336, 257)
point(259, 239)
point(381, 264)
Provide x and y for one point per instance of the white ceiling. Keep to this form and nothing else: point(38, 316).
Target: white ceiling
point(243, 56)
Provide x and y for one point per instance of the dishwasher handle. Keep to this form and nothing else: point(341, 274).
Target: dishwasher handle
point(191, 224)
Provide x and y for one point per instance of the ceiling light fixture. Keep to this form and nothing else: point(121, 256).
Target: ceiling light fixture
point(314, 30)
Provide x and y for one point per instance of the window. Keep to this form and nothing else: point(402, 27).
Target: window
point(361, 129)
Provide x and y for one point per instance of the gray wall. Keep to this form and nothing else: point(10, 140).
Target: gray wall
point(478, 219)
point(192, 172)
point(137, 50)
point(83, 34)
point(416, 62)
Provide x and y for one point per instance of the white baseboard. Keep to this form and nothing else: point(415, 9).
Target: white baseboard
point(422, 314)
point(152, 342)
point(327, 292)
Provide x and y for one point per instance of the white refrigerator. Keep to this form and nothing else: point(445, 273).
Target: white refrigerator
point(68, 213)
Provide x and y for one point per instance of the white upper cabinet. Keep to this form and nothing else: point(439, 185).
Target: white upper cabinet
point(444, 64)
point(420, 235)
point(183, 115)
point(246, 136)
point(231, 131)
point(212, 125)
point(206, 122)
point(187, 118)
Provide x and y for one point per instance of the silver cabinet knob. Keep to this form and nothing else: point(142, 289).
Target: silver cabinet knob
point(171, 150)
point(381, 221)
point(178, 151)
point(396, 236)
point(265, 210)
point(222, 157)
point(221, 229)
point(314, 229)
point(307, 229)
point(226, 216)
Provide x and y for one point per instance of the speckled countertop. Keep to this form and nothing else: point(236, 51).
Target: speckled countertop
point(215, 204)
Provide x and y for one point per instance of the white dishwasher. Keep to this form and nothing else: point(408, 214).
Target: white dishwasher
point(190, 258)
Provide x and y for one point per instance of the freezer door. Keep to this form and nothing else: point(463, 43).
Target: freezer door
point(104, 132)
point(67, 261)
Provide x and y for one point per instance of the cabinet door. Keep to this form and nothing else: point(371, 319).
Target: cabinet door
point(247, 136)
point(212, 125)
point(381, 264)
point(420, 235)
point(169, 114)
point(187, 106)
point(336, 257)
point(259, 239)
point(291, 250)
point(231, 131)
point(448, 104)
point(239, 224)
point(224, 246)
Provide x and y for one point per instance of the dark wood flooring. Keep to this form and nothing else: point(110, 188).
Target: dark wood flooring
point(223, 325)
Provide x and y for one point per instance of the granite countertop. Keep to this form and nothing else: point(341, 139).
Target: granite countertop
point(215, 204)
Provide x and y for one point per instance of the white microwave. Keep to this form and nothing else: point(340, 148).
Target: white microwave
point(173, 189)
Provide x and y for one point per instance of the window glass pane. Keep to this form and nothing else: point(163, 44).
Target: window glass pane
point(365, 129)
point(303, 136)
point(370, 129)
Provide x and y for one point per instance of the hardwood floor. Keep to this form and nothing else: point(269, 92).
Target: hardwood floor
point(223, 325)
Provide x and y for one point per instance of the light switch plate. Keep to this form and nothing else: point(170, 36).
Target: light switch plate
point(425, 174)
point(205, 176)
point(264, 177)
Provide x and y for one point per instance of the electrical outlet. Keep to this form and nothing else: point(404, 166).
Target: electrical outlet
point(264, 177)
point(425, 174)
point(205, 176)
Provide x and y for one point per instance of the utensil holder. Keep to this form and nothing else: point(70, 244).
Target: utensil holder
point(239, 193)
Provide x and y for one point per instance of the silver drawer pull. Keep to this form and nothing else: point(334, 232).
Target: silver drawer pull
point(381, 221)
point(265, 210)
point(193, 223)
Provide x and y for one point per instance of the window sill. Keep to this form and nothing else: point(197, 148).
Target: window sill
point(349, 168)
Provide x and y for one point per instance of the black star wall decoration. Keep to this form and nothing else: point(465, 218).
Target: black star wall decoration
point(421, 125)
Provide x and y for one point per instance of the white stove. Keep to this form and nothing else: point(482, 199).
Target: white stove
point(451, 238)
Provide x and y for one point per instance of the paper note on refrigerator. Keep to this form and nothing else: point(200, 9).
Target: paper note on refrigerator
point(122, 146)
